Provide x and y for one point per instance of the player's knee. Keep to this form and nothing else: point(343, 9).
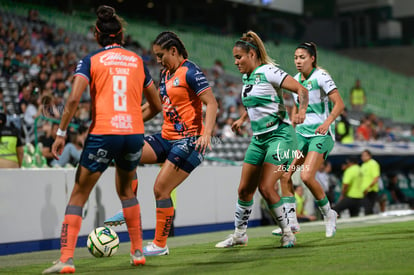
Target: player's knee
point(306, 176)
point(245, 195)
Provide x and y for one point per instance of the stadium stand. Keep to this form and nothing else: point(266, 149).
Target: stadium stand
point(387, 92)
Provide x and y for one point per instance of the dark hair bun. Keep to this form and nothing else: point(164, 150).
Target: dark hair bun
point(105, 13)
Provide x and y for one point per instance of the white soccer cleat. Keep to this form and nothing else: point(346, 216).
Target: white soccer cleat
point(330, 223)
point(153, 250)
point(295, 228)
point(61, 268)
point(233, 240)
point(288, 240)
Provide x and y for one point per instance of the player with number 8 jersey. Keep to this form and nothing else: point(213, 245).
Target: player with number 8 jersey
point(119, 75)
point(117, 79)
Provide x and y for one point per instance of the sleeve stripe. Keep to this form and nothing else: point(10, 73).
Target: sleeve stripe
point(83, 76)
point(202, 91)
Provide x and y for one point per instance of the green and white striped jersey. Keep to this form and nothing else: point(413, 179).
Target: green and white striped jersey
point(262, 97)
point(319, 85)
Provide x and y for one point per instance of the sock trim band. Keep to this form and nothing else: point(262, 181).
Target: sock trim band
point(245, 203)
point(129, 202)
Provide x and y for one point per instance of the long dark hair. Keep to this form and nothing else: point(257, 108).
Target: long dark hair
point(310, 47)
point(108, 26)
point(169, 39)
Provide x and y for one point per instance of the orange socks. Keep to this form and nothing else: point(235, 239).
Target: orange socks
point(165, 217)
point(70, 230)
point(132, 215)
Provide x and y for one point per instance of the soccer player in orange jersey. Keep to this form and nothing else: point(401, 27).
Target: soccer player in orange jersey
point(184, 138)
point(117, 78)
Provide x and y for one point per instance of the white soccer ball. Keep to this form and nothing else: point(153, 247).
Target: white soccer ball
point(103, 242)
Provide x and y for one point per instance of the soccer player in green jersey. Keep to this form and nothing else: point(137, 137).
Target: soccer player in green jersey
point(273, 144)
point(316, 135)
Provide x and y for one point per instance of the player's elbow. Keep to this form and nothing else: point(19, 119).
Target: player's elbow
point(157, 108)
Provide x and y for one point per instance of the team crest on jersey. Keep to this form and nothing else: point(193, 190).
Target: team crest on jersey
point(176, 82)
point(257, 80)
point(309, 85)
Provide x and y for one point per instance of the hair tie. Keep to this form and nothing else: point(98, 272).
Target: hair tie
point(307, 46)
point(109, 34)
point(247, 43)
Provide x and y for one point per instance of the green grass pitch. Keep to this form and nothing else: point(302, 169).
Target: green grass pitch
point(383, 246)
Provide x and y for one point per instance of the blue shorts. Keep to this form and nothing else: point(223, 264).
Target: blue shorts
point(181, 152)
point(100, 150)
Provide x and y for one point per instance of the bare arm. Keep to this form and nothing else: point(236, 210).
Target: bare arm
point(292, 85)
point(293, 113)
point(238, 123)
point(207, 97)
point(79, 85)
point(339, 106)
point(153, 104)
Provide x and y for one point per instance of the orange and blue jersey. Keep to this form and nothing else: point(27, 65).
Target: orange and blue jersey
point(182, 107)
point(117, 78)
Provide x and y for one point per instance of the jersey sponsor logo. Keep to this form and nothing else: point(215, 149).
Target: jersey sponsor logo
point(172, 114)
point(116, 58)
point(270, 124)
point(330, 83)
point(121, 121)
point(200, 79)
point(281, 72)
point(247, 89)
